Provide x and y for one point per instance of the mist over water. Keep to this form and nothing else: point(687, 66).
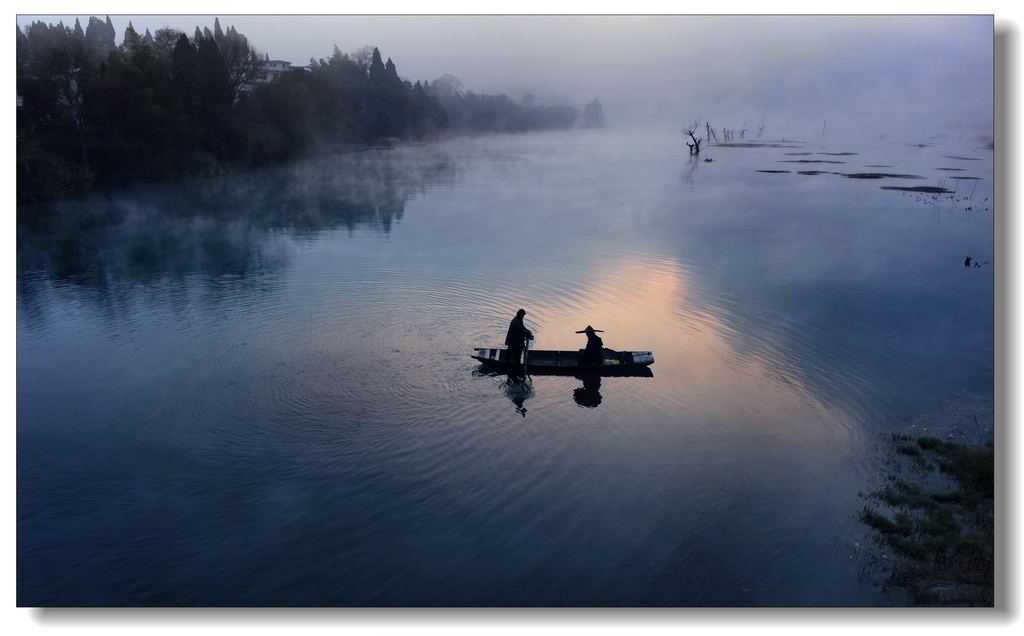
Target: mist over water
point(258, 390)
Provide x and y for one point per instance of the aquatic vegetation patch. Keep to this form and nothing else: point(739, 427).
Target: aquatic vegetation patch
point(809, 161)
point(921, 189)
point(767, 144)
point(961, 158)
point(880, 175)
point(936, 530)
point(774, 171)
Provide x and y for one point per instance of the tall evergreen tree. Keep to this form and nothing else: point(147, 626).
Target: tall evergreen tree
point(391, 78)
point(22, 53)
point(187, 84)
point(216, 100)
point(378, 72)
point(393, 99)
point(427, 116)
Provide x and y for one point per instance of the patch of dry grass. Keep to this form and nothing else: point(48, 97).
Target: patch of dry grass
point(939, 526)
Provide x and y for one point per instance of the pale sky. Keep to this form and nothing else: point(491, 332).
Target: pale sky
point(867, 74)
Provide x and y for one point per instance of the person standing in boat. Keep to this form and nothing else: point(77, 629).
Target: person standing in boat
point(594, 351)
point(516, 338)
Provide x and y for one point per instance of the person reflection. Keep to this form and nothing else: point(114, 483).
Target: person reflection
point(588, 395)
point(518, 389)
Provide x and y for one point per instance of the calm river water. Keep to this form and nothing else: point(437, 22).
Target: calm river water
point(258, 390)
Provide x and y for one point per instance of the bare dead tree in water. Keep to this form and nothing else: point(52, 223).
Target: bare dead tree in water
point(760, 129)
point(695, 146)
point(710, 132)
point(743, 130)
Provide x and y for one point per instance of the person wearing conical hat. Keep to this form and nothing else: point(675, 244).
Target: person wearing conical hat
point(593, 353)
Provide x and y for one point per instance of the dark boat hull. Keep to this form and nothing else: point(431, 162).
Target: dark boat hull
point(547, 361)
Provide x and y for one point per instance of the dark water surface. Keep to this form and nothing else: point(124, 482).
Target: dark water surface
point(257, 391)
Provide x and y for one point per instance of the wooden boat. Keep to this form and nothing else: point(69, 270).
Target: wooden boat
point(547, 361)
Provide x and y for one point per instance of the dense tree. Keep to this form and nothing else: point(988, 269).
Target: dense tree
point(429, 117)
point(340, 87)
point(163, 43)
point(284, 119)
point(135, 132)
point(162, 105)
point(471, 112)
point(389, 100)
point(186, 105)
point(99, 36)
point(593, 115)
point(67, 65)
point(215, 96)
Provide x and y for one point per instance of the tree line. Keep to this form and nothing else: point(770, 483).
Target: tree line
point(94, 113)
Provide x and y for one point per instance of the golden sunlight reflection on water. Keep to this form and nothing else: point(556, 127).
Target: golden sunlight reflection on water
point(701, 369)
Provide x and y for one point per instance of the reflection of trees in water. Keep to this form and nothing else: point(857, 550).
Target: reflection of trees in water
point(366, 189)
point(223, 235)
point(220, 226)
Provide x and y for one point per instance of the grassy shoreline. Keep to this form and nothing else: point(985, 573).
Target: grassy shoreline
point(933, 520)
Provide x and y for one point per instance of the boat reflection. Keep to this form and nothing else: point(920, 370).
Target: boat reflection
point(519, 387)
